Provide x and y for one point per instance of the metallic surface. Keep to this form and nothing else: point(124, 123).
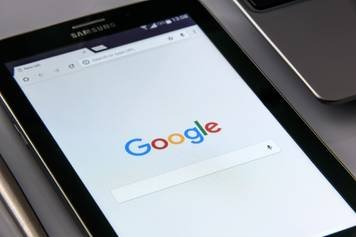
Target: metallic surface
point(14, 200)
point(335, 124)
point(317, 39)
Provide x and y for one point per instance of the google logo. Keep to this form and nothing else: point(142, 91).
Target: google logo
point(194, 135)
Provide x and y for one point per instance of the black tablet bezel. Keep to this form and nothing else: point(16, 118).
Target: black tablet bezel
point(58, 36)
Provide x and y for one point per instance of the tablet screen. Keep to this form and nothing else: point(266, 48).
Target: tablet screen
point(170, 141)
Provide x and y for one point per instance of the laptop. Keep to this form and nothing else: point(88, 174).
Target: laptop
point(316, 38)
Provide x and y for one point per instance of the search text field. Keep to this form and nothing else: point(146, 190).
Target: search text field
point(195, 171)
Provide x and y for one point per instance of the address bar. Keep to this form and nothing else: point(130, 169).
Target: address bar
point(135, 47)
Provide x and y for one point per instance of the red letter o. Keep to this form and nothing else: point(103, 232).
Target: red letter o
point(158, 146)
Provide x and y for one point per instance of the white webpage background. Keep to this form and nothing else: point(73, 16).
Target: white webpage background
point(94, 112)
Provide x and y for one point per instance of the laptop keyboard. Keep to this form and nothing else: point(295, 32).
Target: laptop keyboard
point(264, 4)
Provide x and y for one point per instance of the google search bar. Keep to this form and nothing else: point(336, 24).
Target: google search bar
point(195, 171)
point(135, 47)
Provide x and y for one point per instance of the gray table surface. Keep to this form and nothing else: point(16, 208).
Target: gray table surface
point(335, 124)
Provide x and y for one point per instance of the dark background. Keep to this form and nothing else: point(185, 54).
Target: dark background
point(335, 124)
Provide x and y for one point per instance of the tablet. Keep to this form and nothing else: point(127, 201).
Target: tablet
point(153, 122)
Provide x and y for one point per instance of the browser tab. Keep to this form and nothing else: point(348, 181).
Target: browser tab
point(99, 48)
